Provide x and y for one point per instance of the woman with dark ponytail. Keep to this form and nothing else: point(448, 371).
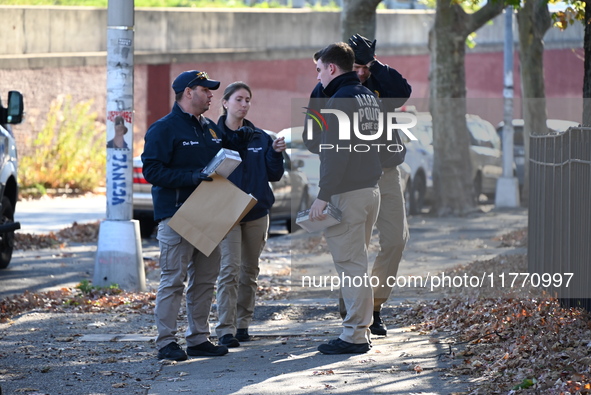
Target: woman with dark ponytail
point(262, 162)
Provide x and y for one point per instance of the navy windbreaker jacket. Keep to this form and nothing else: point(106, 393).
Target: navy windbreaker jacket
point(260, 165)
point(393, 90)
point(345, 169)
point(176, 146)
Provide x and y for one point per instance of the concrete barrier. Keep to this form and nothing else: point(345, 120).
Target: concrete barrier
point(48, 51)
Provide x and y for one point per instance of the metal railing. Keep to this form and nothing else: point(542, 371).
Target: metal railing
point(559, 224)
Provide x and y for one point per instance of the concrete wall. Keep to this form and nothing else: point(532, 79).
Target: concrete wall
point(48, 51)
point(166, 34)
point(65, 31)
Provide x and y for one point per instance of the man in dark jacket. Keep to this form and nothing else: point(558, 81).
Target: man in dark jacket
point(349, 175)
point(393, 91)
point(177, 148)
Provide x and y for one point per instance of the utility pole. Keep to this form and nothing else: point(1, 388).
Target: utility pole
point(507, 193)
point(119, 253)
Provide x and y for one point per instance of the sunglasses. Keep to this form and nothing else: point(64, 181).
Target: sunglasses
point(202, 75)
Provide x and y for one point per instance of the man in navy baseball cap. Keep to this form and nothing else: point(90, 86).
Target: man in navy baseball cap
point(189, 79)
point(176, 149)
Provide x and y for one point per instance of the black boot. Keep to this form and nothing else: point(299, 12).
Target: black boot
point(242, 335)
point(378, 327)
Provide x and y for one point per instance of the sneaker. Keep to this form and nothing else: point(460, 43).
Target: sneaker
point(378, 327)
point(206, 349)
point(338, 346)
point(229, 341)
point(173, 352)
point(242, 335)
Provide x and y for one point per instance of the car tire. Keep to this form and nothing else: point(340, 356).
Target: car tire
point(418, 190)
point(6, 239)
point(147, 226)
point(477, 187)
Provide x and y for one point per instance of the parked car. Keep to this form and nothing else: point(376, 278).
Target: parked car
point(555, 126)
point(291, 195)
point(485, 157)
point(143, 207)
point(298, 151)
point(419, 158)
point(13, 114)
point(292, 192)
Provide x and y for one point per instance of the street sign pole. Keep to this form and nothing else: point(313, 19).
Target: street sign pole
point(507, 192)
point(119, 252)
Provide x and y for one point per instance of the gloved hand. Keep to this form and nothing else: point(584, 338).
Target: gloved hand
point(246, 133)
point(199, 176)
point(364, 49)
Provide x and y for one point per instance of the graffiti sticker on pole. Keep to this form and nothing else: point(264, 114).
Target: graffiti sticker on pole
point(117, 136)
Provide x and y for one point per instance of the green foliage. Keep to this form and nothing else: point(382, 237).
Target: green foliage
point(331, 6)
point(575, 11)
point(86, 287)
point(68, 152)
point(172, 3)
point(471, 40)
point(526, 383)
point(428, 3)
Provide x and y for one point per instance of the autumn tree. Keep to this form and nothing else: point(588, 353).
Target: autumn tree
point(534, 20)
point(452, 173)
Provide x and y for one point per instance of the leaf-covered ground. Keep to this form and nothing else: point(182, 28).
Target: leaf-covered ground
point(511, 340)
point(77, 233)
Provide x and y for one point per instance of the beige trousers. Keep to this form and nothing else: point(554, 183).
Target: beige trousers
point(179, 261)
point(393, 228)
point(237, 282)
point(348, 243)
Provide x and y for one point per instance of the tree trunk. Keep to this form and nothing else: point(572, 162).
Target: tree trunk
point(533, 23)
point(587, 67)
point(452, 170)
point(359, 16)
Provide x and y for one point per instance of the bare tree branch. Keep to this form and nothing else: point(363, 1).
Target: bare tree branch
point(490, 10)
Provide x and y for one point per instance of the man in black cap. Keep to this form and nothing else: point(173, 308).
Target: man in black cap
point(177, 148)
point(392, 89)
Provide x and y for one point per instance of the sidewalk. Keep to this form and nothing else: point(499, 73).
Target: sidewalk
point(284, 359)
point(115, 353)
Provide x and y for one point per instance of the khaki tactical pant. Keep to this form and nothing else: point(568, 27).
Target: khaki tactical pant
point(348, 242)
point(237, 282)
point(394, 234)
point(393, 228)
point(179, 261)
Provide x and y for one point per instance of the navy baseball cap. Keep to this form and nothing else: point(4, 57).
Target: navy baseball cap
point(189, 79)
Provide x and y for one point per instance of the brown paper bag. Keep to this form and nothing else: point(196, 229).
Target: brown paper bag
point(211, 212)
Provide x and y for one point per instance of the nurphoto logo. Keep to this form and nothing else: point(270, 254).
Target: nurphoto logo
point(364, 122)
point(369, 124)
